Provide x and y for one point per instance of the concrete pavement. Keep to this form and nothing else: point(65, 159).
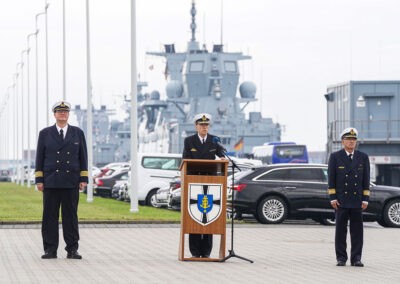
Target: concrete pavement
point(286, 253)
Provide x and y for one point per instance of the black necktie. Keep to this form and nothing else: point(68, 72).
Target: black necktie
point(351, 157)
point(61, 134)
point(203, 141)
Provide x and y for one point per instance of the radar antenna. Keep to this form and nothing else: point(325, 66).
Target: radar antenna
point(193, 24)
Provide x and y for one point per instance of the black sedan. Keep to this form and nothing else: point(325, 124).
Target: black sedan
point(274, 193)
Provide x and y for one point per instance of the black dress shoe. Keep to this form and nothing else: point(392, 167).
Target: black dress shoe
point(49, 255)
point(74, 255)
point(341, 263)
point(358, 264)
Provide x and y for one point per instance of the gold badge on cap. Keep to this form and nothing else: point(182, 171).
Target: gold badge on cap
point(352, 132)
point(204, 118)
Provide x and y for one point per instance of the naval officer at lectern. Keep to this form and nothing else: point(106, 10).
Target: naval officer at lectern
point(61, 170)
point(201, 146)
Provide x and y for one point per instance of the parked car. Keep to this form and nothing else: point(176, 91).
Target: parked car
point(116, 189)
point(104, 184)
point(174, 197)
point(110, 168)
point(274, 193)
point(95, 171)
point(155, 170)
point(162, 196)
point(5, 175)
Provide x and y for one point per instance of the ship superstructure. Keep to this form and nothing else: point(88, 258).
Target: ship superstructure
point(199, 80)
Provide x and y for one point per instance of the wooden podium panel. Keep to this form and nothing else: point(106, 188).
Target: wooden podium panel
point(199, 177)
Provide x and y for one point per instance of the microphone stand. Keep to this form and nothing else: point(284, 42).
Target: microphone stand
point(231, 251)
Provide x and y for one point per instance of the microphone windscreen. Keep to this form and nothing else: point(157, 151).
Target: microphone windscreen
point(216, 139)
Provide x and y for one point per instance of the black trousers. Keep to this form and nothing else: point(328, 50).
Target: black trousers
point(343, 215)
point(200, 245)
point(53, 199)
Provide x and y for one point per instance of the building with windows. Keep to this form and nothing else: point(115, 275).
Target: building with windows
point(373, 107)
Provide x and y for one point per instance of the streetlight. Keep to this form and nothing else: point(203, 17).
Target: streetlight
point(37, 75)
point(47, 65)
point(9, 154)
point(16, 116)
point(89, 108)
point(134, 139)
point(64, 72)
point(28, 106)
point(22, 172)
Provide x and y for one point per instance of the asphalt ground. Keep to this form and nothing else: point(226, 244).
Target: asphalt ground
point(293, 252)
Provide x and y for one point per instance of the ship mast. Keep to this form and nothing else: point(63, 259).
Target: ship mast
point(193, 45)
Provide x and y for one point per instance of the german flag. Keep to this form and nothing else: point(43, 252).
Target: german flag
point(239, 145)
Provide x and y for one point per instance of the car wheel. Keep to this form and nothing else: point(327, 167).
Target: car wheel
point(328, 221)
point(382, 223)
point(272, 210)
point(256, 217)
point(391, 213)
point(151, 198)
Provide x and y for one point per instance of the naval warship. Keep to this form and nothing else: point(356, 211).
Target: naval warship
point(198, 80)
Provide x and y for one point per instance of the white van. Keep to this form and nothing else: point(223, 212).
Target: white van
point(155, 171)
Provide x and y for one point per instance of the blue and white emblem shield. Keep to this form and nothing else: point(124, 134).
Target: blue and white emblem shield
point(204, 202)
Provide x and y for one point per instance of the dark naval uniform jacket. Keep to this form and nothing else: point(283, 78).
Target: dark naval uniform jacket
point(348, 179)
point(194, 149)
point(61, 163)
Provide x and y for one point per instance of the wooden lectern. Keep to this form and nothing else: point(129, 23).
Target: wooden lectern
point(203, 202)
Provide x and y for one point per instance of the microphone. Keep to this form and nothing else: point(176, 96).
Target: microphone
point(217, 141)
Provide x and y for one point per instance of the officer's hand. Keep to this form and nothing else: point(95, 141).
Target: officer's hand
point(82, 185)
point(39, 186)
point(335, 204)
point(364, 205)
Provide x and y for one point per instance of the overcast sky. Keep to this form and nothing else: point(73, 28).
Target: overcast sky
point(298, 48)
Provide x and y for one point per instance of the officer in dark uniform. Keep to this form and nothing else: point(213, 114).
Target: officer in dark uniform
point(201, 146)
point(61, 170)
point(348, 182)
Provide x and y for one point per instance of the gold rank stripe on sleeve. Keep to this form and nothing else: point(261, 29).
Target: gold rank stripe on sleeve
point(84, 173)
point(39, 174)
point(332, 191)
point(366, 192)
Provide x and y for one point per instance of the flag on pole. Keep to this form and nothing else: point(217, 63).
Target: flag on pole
point(239, 145)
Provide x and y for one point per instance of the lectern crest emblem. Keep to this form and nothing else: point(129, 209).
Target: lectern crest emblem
point(204, 202)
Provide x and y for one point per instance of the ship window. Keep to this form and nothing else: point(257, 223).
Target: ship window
point(196, 66)
point(230, 66)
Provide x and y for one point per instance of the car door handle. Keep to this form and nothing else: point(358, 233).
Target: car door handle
point(290, 187)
